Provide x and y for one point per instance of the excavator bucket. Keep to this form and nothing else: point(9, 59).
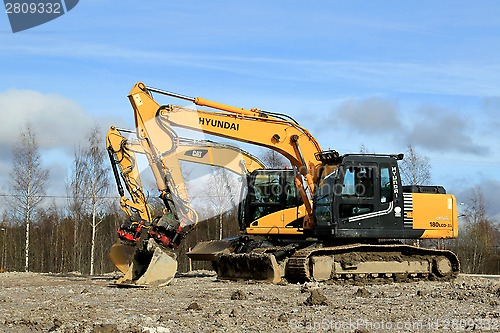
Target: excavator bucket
point(229, 265)
point(208, 250)
point(121, 254)
point(249, 266)
point(153, 266)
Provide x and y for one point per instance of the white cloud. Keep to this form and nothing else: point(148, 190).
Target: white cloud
point(57, 121)
point(430, 128)
point(441, 130)
point(371, 115)
point(59, 124)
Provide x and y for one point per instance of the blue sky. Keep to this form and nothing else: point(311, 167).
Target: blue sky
point(383, 74)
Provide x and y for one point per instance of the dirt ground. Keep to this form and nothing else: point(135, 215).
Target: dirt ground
point(198, 302)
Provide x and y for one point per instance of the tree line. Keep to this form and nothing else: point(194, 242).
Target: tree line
point(39, 236)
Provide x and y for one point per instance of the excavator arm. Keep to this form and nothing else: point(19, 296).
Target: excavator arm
point(123, 162)
point(127, 252)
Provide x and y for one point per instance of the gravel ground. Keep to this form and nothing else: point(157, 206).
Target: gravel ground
point(198, 302)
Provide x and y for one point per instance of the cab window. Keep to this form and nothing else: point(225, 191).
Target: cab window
point(385, 184)
point(358, 181)
point(357, 185)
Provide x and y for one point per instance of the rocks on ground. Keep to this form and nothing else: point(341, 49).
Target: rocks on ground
point(32, 302)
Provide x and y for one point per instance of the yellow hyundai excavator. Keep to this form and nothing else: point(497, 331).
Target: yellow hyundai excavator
point(146, 263)
point(329, 217)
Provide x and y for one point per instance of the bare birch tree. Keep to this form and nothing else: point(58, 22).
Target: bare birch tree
point(478, 238)
point(415, 168)
point(363, 149)
point(76, 189)
point(97, 182)
point(221, 195)
point(27, 182)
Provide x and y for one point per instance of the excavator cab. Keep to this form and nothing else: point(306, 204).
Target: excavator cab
point(364, 198)
point(361, 199)
point(269, 196)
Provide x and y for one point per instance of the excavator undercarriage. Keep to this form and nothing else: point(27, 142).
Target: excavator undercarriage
point(351, 262)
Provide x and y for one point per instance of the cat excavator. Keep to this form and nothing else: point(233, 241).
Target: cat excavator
point(328, 217)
